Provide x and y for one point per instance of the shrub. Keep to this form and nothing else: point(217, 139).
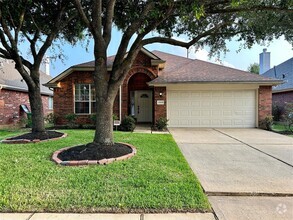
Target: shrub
point(277, 112)
point(93, 118)
point(161, 124)
point(51, 118)
point(288, 114)
point(115, 117)
point(267, 123)
point(88, 126)
point(127, 124)
point(71, 118)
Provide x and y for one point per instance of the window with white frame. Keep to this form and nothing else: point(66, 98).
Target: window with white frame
point(84, 99)
point(50, 103)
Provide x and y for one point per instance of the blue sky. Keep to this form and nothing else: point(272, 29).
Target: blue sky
point(280, 50)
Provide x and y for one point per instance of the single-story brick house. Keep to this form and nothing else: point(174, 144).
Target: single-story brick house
point(190, 93)
point(14, 92)
point(284, 92)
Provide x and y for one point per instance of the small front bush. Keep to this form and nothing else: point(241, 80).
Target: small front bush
point(267, 123)
point(71, 118)
point(277, 111)
point(127, 124)
point(51, 118)
point(161, 124)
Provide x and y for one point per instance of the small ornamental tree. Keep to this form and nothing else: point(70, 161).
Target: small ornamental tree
point(36, 23)
point(204, 22)
point(253, 68)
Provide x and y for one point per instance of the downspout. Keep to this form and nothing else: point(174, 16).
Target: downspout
point(120, 103)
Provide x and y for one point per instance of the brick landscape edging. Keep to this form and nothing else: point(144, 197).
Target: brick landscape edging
point(26, 141)
point(91, 162)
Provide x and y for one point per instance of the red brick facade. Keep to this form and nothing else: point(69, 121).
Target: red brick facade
point(281, 98)
point(10, 113)
point(137, 78)
point(64, 96)
point(264, 102)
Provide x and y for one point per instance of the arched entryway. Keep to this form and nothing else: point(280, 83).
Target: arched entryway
point(140, 99)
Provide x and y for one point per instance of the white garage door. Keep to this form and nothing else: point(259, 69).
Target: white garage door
point(211, 108)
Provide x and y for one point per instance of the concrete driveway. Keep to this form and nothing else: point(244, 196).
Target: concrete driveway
point(241, 170)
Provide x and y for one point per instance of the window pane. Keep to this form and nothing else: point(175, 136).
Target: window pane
point(82, 107)
point(50, 102)
point(84, 92)
point(93, 93)
point(93, 109)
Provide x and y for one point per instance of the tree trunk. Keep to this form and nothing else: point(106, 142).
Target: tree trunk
point(104, 122)
point(35, 99)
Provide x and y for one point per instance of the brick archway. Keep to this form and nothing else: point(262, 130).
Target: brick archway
point(135, 70)
point(150, 75)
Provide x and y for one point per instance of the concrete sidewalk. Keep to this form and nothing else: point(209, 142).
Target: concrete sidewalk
point(70, 216)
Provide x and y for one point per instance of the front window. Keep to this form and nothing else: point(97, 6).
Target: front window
point(50, 103)
point(85, 101)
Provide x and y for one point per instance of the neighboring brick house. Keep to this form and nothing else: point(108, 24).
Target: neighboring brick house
point(14, 92)
point(190, 93)
point(284, 92)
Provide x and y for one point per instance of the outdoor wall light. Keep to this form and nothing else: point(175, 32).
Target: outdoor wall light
point(161, 94)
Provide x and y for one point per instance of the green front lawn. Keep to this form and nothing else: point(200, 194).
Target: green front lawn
point(157, 179)
point(281, 128)
point(9, 133)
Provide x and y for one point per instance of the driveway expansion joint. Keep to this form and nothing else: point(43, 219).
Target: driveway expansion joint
point(252, 147)
point(31, 215)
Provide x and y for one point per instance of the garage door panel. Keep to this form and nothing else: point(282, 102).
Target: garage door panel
point(211, 108)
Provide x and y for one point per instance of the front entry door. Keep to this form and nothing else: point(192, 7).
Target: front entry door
point(143, 105)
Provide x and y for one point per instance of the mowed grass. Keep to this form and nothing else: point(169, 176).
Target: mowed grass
point(157, 179)
point(278, 127)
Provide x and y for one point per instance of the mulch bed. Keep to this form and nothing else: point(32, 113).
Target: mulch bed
point(34, 137)
point(92, 153)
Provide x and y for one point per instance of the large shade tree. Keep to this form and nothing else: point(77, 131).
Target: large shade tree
point(201, 22)
point(36, 24)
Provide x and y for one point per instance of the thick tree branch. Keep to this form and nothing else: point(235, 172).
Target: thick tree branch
point(82, 13)
point(181, 43)
point(129, 32)
point(109, 21)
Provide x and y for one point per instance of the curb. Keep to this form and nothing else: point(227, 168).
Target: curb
point(92, 162)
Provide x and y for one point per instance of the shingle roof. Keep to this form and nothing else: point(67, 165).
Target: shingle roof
point(184, 70)
point(110, 61)
point(283, 71)
point(11, 79)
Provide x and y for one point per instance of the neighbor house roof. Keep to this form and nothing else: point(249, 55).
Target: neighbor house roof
point(11, 79)
point(283, 71)
point(184, 70)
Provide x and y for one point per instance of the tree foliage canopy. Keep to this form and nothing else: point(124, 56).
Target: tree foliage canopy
point(201, 23)
point(253, 68)
point(36, 23)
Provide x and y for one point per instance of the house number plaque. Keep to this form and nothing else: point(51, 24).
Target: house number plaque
point(160, 102)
